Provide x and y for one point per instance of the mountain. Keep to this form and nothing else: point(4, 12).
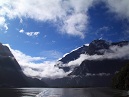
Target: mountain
point(93, 48)
point(108, 64)
point(93, 65)
point(72, 56)
point(11, 74)
point(96, 47)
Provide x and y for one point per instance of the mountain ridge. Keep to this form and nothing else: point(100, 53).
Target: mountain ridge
point(11, 74)
point(100, 60)
point(96, 47)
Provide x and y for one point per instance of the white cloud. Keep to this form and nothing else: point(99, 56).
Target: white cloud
point(76, 62)
point(120, 7)
point(29, 33)
point(32, 33)
point(75, 24)
point(70, 16)
point(5, 26)
point(37, 66)
point(2, 21)
point(21, 31)
point(117, 52)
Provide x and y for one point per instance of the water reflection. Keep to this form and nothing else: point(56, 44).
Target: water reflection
point(81, 92)
point(9, 92)
point(19, 92)
point(62, 92)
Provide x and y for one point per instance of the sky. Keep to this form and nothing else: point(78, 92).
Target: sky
point(39, 32)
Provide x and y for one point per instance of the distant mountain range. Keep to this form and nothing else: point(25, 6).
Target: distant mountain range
point(93, 65)
point(11, 74)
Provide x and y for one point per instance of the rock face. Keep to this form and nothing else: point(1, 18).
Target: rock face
point(11, 74)
point(91, 72)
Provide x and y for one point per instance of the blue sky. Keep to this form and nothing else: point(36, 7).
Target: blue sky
point(49, 29)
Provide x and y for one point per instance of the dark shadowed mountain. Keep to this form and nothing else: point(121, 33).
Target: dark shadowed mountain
point(111, 65)
point(11, 74)
point(104, 60)
point(99, 66)
point(74, 54)
point(96, 47)
point(93, 48)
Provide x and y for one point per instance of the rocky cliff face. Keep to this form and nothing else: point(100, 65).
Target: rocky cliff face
point(11, 74)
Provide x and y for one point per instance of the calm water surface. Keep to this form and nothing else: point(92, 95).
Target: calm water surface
point(62, 92)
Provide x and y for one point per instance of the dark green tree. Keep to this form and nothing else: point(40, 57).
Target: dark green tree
point(121, 79)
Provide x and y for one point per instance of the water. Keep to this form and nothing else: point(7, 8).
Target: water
point(62, 92)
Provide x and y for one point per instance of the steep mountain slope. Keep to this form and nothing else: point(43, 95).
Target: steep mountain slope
point(11, 74)
point(97, 48)
point(106, 66)
point(92, 65)
point(107, 61)
point(74, 54)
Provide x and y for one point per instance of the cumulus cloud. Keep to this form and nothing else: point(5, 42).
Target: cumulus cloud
point(37, 66)
point(75, 24)
point(120, 7)
point(71, 16)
